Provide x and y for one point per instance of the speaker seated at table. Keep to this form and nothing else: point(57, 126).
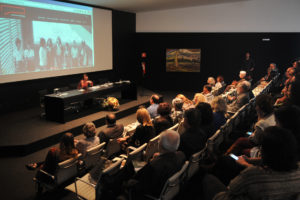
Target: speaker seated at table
point(85, 82)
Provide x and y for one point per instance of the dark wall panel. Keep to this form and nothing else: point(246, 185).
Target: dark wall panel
point(221, 54)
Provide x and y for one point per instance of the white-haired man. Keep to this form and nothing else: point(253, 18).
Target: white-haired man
point(152, 177)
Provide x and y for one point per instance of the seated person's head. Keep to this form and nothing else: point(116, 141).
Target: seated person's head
point(192, 118)
point(218, 104)
point(264, 105)
point(177, 104)
point(272, 66)
point(198, 98)
point(154, 99)
point(67, 143)
point(89, 129)
point(290, 72)
point(242, 74)
point(242, 87)
point(110, 119)
point(143, 117)
point(207, 116)
point(169, 141)
point(182, 97)
point(279, 149)
point(206, 89)
point(211, 81)
point(220, 79)
point(85, 77)
point(164, 109)
point(234, 82)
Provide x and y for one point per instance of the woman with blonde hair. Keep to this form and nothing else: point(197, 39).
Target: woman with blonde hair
point(187, 104)
point(143, 132)
point(219, 107)
point(198, 98)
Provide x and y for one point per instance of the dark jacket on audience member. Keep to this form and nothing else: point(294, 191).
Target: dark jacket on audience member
point(142, 135)
point(152, 177)
point(219, 120)
point(241, 100)
point(162, 123)
point(111, 132)
point(192, 141)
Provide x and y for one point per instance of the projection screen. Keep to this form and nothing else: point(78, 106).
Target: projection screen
point(42, 38)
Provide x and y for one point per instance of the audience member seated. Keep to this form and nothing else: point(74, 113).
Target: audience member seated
point(55, 155)
point(288, 117)
point(265, 118)
point(219, 108)
point(241, 99)
point(289, 75)
point(271, 72)
point(289, 79)
point(194, 138)
point(177, 112)
point(90, 140)
point(220, 83)
point(211, 81)
point(198, 98)
point(207, 119)
point(285, 99)
point(277, 178)
point(232, 86)
point(163, 121)
point(152, 109)
point(242, 76)
point(85, 82)
point(186, 102)
point(143, 132)
point(207, 93)
point(112, 130)
point(152, 177)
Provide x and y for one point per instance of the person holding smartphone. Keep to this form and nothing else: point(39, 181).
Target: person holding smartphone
point(265, 118)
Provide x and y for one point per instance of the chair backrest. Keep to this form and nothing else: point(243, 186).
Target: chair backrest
point(112, 147)
point(152, 147)
point(193, 164)
point(93, 154)
point(175, 127)
point(66, 170)
point(172, 186)
point(113, 168)
point(107, 174)
point(138, 153)
point(181, 128)
point(214, 142)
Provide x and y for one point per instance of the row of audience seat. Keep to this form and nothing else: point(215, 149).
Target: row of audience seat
point(83, 188)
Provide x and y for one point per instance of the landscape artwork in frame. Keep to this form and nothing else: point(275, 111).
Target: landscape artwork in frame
point(183, 60)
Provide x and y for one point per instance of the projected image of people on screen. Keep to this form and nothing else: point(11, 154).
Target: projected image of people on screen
point(45, 36)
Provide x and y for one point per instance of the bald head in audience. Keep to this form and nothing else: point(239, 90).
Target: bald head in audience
point(110, 119)
point(169, 141)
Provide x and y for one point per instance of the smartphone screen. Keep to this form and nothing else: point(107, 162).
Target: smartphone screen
point(234, 156)
point(249, 133)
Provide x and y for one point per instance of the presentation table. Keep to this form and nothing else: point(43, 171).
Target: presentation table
point(56, 105)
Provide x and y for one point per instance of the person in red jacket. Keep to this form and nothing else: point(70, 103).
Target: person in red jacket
point(85, 82)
